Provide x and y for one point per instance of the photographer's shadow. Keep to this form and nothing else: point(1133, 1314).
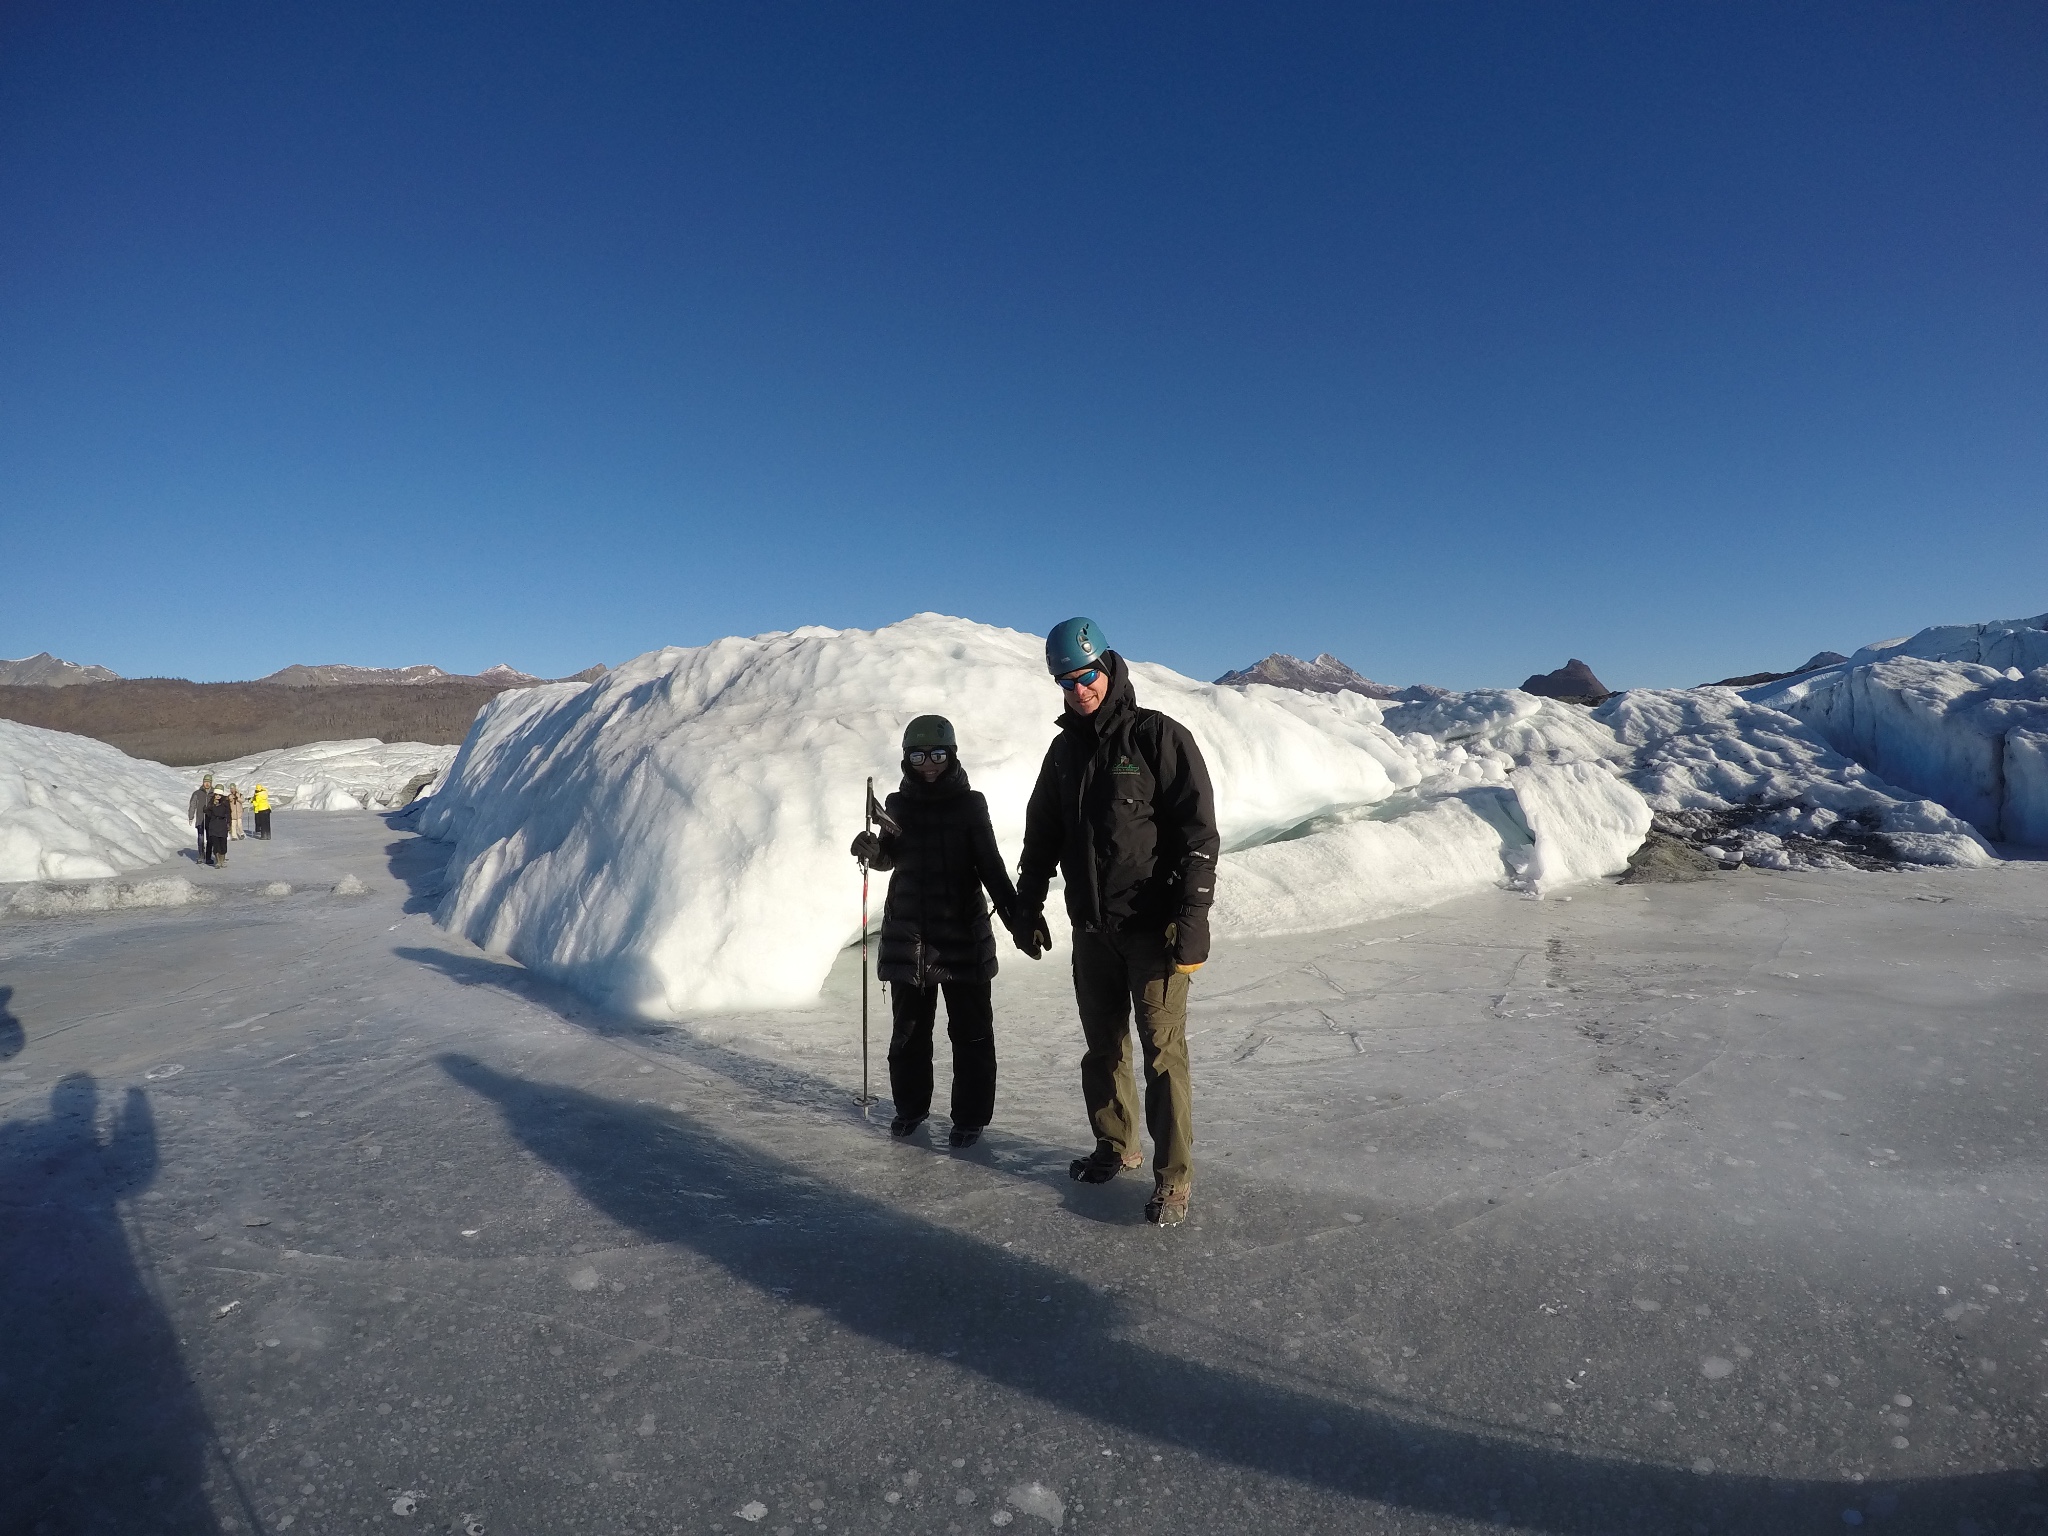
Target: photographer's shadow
point(105, 1429)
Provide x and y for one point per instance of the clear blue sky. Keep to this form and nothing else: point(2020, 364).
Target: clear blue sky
point(1454, 339)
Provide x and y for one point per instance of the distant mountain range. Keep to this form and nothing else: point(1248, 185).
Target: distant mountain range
point(47, 671)
point(332, 674)
point(1326, 674)
point(43, 670)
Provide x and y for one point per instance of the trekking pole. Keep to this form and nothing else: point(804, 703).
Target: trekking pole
point(867, 824)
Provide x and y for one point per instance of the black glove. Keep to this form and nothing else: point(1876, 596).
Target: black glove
point(866, 846)
point(1029, 931)
point(1188, 939)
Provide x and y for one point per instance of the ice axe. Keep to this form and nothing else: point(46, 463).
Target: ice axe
point(873, 816)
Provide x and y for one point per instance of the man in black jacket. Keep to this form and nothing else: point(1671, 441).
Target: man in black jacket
point(1124, 810)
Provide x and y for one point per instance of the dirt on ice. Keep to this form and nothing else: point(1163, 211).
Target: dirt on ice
point(1713, 1206)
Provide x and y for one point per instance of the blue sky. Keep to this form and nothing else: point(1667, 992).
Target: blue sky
point(1454, 339)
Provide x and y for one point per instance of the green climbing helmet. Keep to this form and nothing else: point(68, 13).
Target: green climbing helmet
point(929, 731)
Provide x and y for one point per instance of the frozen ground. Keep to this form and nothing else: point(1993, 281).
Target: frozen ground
point(1711, 1207)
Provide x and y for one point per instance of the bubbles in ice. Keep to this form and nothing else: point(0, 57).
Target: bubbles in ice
point(1714, 1367)
point(407, 1503)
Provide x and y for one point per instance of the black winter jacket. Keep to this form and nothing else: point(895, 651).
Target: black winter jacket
point(935, 923)
point(1124, 810)
point(218, 814)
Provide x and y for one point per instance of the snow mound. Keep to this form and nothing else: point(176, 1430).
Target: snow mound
point(326, 795)
point(673, 837)
point(72, 808)
point(339, 775)
point(70, 899)
point(1761, 786)
point(1970, 735)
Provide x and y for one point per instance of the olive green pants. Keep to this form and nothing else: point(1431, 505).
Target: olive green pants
point(1115, 975)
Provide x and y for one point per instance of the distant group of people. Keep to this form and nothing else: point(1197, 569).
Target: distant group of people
point(220, 816)
point(1122, 808)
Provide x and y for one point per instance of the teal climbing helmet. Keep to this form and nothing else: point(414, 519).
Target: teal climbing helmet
point(1072, 645)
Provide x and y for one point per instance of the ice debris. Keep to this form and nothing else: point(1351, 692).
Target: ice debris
point(72, 898)
point(752, 1510)
point(1035, 1498)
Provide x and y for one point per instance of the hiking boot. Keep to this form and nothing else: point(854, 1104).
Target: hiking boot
point(1168, 1206)
point(1103, 1164)
point(903, 1125)
point(963, 1136)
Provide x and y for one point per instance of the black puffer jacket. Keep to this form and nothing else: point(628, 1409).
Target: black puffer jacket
point(1123, 808)
point(935, 923)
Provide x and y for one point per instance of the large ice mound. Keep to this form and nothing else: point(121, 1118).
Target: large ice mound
point(673, 837)
point(72, 808)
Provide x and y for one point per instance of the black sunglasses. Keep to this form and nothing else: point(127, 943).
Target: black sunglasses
point(919, 756)
point(1081, 679)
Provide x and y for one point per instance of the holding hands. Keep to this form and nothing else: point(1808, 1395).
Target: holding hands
point(1028, 931)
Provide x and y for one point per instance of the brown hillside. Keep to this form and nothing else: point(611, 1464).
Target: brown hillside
point(181, 723)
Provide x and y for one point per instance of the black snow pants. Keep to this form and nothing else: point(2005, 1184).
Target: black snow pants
point(970, 1025)
point(216, 847)
point(263, 823)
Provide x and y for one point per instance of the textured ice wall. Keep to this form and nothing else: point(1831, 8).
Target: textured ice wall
point(1715, 748)
point(673, 837)
point(1959, 732)
point(2002, 643)
point(72, 808)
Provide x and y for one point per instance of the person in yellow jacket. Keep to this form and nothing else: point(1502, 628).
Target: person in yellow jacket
point(259, 802)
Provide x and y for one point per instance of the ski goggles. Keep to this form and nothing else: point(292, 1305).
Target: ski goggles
point(1081, 679)
point(919, 756)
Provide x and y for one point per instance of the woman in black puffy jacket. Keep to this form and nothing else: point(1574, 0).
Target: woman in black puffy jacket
point(936, 937)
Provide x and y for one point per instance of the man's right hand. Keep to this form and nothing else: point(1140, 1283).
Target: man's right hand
point(866, 846)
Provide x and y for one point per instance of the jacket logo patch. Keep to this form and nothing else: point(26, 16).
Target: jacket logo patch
point(1125, 765)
